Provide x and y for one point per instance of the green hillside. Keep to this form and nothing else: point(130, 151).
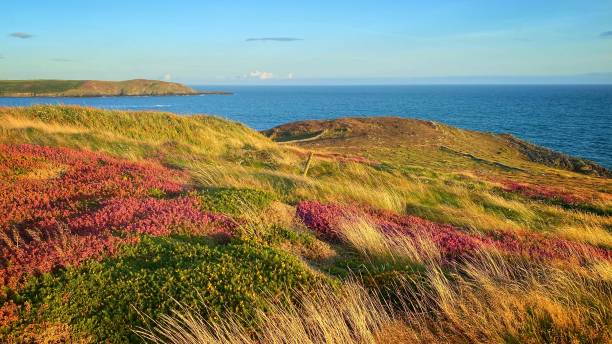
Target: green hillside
point(124, 227)
point(94, 88)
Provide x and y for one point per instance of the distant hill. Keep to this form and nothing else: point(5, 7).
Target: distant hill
point(388, 136)
point(94, 88)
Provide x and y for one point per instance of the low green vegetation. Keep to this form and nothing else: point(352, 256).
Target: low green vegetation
point(109, 299)
point(233, 201)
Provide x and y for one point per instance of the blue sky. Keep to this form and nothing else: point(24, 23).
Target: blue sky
point(282, 42)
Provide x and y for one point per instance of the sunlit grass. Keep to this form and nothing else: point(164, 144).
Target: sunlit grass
point(375, 245)
point(489, 298)
point(201, 144)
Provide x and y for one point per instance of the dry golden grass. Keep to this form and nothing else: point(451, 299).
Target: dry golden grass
point(223, 153)
point(375, 245)
point(458, 203)
point(488, 300)
point(46, 171)
point(140, 134)
point(11, 122)
point(347, 316)
point(494, 300)
point(591, 234)
point(381, 197)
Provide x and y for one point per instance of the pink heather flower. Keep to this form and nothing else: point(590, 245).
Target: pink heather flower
point(541, 193)
point(66, 219)
point(453, 242)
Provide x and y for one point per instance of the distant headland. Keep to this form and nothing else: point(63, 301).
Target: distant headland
point(96, 88)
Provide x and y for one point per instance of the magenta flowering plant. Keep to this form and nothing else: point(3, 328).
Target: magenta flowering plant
point(85, 178)
point(453, 242)
point(542, 193)
point(62, 251)
point(325, 220)
point(94, 204)
point(151, 216)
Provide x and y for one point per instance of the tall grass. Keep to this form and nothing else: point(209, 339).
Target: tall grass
point(118, 131)
point(493, 299)
point(350, 315)
point(490, 298)
point(244, 158)
point(375, 245)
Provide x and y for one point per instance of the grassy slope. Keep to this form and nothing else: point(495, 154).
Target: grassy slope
point(451, 171)
point(409, 172)
point(406, 172)
point(134, 134)
point(83, 88)
point(389, 137)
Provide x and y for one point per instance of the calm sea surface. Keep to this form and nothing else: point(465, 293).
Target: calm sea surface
point(573, 119)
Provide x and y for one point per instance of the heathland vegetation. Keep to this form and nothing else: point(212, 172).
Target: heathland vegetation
point(94, 88)
point(146, 226)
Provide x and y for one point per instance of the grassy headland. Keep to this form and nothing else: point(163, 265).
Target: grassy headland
point(120, 226)
point(94, 88)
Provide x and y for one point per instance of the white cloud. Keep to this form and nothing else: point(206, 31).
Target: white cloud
point(167, 77)
point(261, 75)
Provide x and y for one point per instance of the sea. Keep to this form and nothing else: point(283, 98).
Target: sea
point(573, 119)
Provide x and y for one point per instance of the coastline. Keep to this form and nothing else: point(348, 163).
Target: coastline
point(96, 88)
point(205, 93)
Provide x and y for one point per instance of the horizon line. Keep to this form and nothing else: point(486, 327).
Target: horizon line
point(400, 84)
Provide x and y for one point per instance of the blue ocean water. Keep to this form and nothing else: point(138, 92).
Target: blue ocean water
point(574, 119)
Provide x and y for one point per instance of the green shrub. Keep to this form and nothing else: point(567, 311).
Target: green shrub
point(384, 167)
point(276, 235)
point(440, 195)
point(157, 193)
point(325, 169)
point(233, 201)
point(251, 156)
point(106, 299)
point(500, 211)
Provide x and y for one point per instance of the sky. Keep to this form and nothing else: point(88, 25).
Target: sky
point(308, 42)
